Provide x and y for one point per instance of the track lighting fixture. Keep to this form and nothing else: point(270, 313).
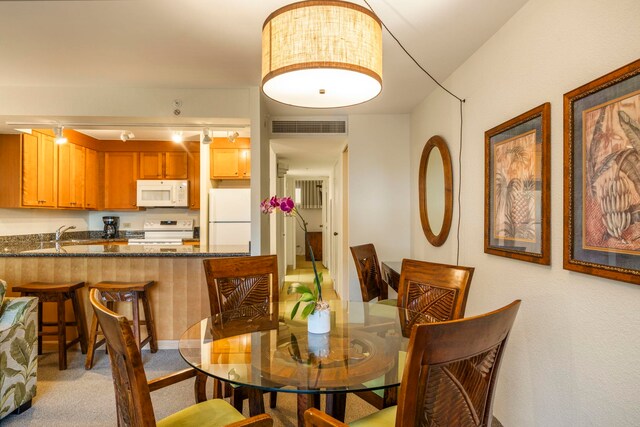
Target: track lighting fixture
point(232, 136)
point(126, 135)
point(177, 137)
point(59, 135)
point(206, 136)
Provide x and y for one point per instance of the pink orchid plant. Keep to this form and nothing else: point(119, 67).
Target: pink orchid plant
point(313, 298)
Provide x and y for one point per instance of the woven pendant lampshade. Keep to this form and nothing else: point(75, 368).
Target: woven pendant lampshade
point(322, 54)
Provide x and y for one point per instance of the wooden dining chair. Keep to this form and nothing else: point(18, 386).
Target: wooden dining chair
point(450, 375)
point(372, 284)
point(238, 282)
point(133, 399)
point(431, 293)
point(436, 291)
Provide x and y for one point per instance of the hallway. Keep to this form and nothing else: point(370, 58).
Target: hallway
point(304, 274)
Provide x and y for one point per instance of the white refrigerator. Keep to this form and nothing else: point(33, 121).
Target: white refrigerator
point(230, 216)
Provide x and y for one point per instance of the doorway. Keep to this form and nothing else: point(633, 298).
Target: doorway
point(304, 171)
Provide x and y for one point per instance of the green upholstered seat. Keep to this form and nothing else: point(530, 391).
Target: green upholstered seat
point(393, 302)
point(215, 412)
point(383, 418)
point(378, 382)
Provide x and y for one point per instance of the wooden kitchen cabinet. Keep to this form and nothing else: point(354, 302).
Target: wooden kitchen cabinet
point(230, 163)
point(245, 163)
point(167, 165)
point(194, 180)
point(39, 170)
point(71, 176)
point(150, 165)
point(224, 163)
point(120, 175)
point(91, 179)
point(175, 165)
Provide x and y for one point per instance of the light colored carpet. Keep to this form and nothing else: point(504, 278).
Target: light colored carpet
point(77, 397)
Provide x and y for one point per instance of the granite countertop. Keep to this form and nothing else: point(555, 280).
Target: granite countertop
point(92, 246)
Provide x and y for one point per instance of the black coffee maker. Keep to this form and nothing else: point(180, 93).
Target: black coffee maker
point(111, 224)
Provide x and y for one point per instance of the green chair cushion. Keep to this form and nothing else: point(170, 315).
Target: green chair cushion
point(214, 412)
point(378, 382)
point(383, 418)
point(393, 302)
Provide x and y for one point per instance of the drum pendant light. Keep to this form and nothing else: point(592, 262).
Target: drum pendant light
point(322, 54)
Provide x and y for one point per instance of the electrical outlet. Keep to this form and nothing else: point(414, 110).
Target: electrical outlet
point(126, 225)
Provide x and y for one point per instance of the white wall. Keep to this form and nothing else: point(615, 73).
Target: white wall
point(339, 226)
point(135, 220)
point(572, 358)
point(33, 221)
point(379, 197)
point(14, 222)
point(124, 102)
point(260, 158)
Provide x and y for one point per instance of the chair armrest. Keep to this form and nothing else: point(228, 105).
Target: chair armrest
point(176, 377)
point(262, 420)
point(199, 387)
point(315, 418)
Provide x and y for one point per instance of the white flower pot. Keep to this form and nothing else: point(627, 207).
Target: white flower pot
point(319, 322)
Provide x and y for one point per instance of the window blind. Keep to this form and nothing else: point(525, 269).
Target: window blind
point(310, 193)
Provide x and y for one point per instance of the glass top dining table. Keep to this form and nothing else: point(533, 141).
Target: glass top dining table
point(259, 346)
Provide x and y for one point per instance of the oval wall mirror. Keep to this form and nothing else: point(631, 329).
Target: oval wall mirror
point(435, 188)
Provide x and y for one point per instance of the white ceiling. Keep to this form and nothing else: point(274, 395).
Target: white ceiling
point(309, 156)
point(215, 43)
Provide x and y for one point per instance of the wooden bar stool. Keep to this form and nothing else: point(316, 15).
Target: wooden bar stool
point(58, 293)
point(134, 292)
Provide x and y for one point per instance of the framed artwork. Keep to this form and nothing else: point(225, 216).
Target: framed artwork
point(517, 183)
point(602, 176)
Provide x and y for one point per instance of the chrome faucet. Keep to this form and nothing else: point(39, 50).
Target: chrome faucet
point(60, 231)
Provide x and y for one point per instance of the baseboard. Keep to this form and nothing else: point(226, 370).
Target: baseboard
point(167, 344)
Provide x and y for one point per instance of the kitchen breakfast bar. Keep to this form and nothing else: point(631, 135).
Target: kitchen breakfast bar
point(178, 299)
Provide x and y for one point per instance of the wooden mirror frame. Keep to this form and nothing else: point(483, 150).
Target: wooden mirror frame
point(438, 143)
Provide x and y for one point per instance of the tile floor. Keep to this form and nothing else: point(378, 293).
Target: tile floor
point(304, 274)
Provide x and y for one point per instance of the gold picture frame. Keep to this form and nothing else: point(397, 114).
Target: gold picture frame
point(602, 176)
point(517, 187)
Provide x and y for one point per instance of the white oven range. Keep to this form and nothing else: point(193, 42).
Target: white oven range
point(165, 232)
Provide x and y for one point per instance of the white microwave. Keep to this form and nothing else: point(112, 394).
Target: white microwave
point(162, 193)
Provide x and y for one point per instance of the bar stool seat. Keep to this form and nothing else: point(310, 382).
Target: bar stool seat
point(119, 291)
point(58, 292)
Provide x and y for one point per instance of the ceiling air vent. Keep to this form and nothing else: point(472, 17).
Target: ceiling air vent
point(309, 127)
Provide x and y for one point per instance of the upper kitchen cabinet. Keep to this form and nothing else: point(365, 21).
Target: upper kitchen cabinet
point(120, 175)
point(39, 170)
point(230, 160)
point(151, 165)
point(175, 165)
point(245, 162)
point(224, 163)
point(163, 165)
point(71, 176)
point(28, 169)
point(91, 179)
point(194, 180)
